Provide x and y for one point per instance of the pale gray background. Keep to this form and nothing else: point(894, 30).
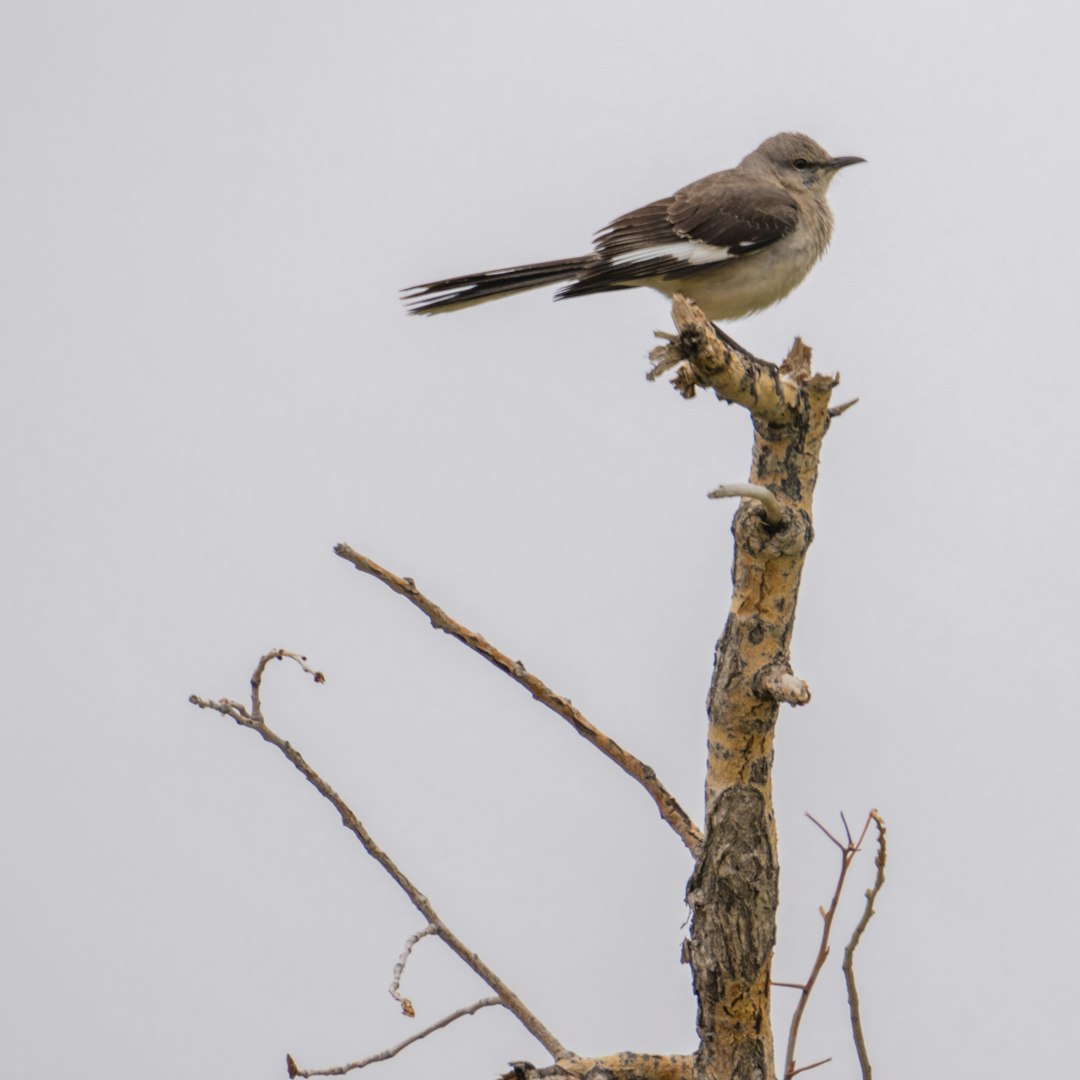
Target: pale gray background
point(208, 380)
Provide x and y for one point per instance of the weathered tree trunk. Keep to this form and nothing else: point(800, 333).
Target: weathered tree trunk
point(733, 892)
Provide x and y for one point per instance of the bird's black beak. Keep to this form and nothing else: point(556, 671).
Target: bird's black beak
point(844, 162)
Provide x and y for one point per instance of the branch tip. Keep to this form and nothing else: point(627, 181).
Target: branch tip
point(839, 410)
point(807, 1068)
point(399, 967)
point(797, 363)
point(781, 685)
point(774, 513)
point(824, 830)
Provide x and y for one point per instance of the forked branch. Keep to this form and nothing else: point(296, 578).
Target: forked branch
point(853, 944)
point(849, 848)
point(252, 718)
point(669, 808)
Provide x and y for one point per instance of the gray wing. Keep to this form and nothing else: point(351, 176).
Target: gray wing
point(706, 223)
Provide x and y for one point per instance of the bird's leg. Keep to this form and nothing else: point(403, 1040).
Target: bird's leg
point(731, 343)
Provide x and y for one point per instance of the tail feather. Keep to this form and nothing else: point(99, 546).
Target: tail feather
point(459, 292)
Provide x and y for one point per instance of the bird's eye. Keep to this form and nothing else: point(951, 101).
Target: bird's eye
point(801, 163)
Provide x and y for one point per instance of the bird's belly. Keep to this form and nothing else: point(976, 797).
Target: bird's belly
point(742, 286)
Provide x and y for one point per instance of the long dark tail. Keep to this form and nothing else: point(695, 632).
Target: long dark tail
point(459, 292)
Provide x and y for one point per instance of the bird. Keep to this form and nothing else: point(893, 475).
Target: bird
point(734, 242)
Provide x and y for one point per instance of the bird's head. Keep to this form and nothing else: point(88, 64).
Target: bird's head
point(797, 161)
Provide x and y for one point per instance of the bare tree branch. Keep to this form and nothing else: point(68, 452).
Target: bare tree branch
point(839, 844)
point(770, 393)
point(847, 828)
point(807, 1068)
point(626, 1066)
point(848, 852)
point(264, 663)
point(774, 514)
point(839, 410)
point(669, 808)
point(853, 944)
point(399, 968)
point(385, 1055)
point(252, 718)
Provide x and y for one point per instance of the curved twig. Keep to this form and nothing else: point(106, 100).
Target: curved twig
point(252, 718)
point(385, 1055)
point(399, 968)
point(773, 513)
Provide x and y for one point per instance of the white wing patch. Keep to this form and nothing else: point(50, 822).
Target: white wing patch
point(690, 252)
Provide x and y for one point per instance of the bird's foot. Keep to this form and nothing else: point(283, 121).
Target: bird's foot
point(731, 343)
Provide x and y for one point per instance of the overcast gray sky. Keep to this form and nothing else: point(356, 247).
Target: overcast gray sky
point(208, 380)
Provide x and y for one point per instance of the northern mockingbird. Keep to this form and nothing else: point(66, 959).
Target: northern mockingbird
point(734, 242)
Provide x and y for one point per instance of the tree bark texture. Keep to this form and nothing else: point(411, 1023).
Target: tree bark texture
point(733, 891)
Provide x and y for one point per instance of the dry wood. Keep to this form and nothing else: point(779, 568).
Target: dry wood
point(733, 892)
point(853, 944)
point(252, 718)
point(294, 1070)
point(848, 851)
point(666, 803)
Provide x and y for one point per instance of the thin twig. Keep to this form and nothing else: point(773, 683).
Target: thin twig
point(847, 853)
point(839, 410)
point(669, 808)
point(247, 718)
point(264, 663)
point(399, 968)
point(842, 847)
point(852, 945)
point(807, 1068)
point(384, 1055)
point(773, 513)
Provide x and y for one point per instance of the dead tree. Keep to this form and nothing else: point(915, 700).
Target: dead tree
point(733, 890)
